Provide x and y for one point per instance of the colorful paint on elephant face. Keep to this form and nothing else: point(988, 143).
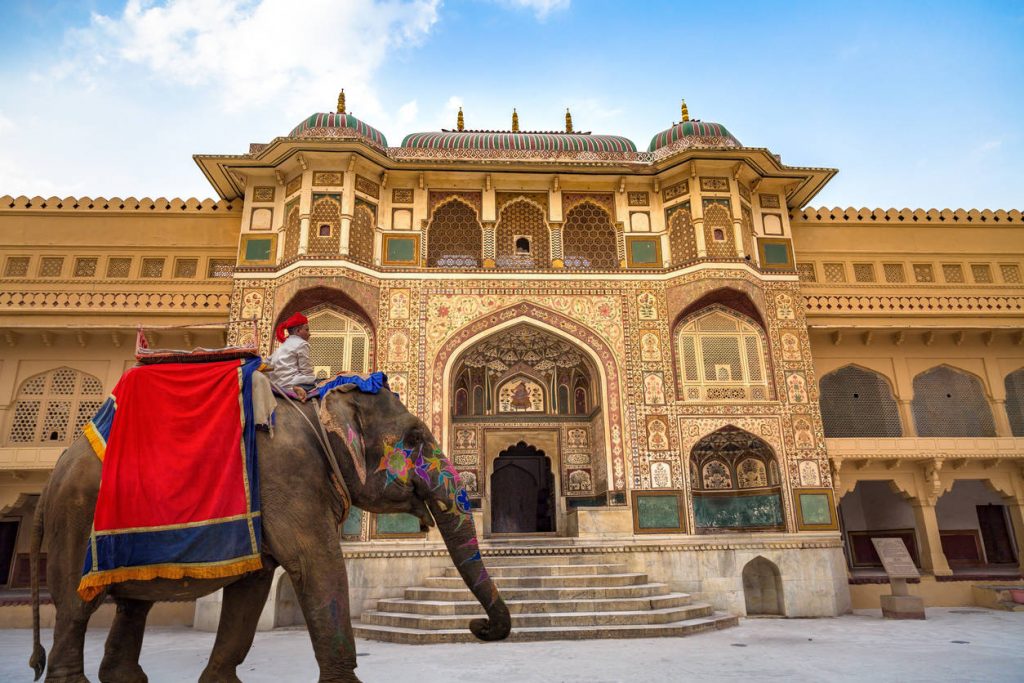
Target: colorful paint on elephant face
point(433, 469)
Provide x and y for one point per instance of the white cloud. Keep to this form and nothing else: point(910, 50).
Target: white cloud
point(540, 8)
point(254, 52)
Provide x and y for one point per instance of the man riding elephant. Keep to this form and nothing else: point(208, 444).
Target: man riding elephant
point(388, 461)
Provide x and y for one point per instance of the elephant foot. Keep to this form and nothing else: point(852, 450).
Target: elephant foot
point(123, 674)
point(219, 676)
point(72, 678)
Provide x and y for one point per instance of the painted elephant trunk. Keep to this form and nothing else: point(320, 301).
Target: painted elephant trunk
point(459, 533)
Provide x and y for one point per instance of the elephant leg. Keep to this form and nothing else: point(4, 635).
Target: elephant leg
point(317, 570)
point(239, 613)
point(66, 663)
point(124, 643)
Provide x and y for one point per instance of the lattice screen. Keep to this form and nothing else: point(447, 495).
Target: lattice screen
point(51, 266)
point(337, 343)
point(718, 233)
point(324, 225)
point(152, 267)
point(589, 239)
point(835, 272)
point(85, 266)
point(292, 228)
point(17, 266)
point(681, 240)
point(981, 272)
point(51, 408)
point(894, 272)
point(953, 272)
point(1010, 272)
point(119, 266)
point(522, 219)
point(722, 356)
point(186, 267)
point(454, 238)
point(806, 272)
point(923, 272)
point(360, 236)
point(858, 403)
point(950, 403)
point(864, 272)
point(1015, 401)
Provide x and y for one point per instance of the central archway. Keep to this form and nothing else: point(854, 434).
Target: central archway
point(522, 491)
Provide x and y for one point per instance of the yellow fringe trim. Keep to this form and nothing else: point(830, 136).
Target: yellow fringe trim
point(99, 446)
point(93, 584)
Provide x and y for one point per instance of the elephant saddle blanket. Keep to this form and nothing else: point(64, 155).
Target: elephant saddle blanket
point(179, 490)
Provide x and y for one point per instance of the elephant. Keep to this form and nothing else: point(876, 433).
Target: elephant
point(390, 462)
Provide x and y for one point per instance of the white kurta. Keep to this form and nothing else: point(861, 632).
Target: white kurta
point(290, 363)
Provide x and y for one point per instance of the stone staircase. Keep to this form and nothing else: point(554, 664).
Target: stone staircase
point(561, 597)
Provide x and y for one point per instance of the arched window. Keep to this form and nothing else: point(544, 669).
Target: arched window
point(1015, 401)
point(589, 239)
point(563, 399)
point(337, 343)
point(580, 401)
point(718, 235)
point(681, 239)
point(360, 237)
point(292, 227)
point(454, 238)
point(858, 403)
point(735, 483)
point(521, 236)
point(722, 357)
point(461, 401)
point(949, 402)
point(325, 224)
point(51, 408)
point(478, 400)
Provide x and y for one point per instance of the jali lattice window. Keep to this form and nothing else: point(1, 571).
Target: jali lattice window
point(17, 266)
point(894, 272)
point(51, 408)
point(1015, 401)
point(152, 267)
point(292, 228)
point(948, 402)
point(589, 239)
point(337, 343)
point(85, 266)
point(119, 266)
point(454, 239)
point(1010, 272)
point(722, 357)
point(718, 232)
point(681, 240)
point(858, 403)
point(360, 237)
point(325, 225)
point(51, 266)
point(520, 220)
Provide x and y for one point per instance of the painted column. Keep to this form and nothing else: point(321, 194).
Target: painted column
point(305, 206)
point(697, 218)
point(348, 205)
point(932, 557)
point(555, 223)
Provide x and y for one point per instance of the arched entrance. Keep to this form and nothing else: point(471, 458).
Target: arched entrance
point(522, 491)
point(527, 385)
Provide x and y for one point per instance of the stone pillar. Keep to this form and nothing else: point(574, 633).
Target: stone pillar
point(1000, 418)
point(697, 219)
point(303, 233)
point(907, 417)
point(348, 205)
point(305, 206)
point(737, 235)
point(932, 558)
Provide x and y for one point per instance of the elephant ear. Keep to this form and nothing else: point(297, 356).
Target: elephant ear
point(338, 416)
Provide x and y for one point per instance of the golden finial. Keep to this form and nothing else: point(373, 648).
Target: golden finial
point(568, 121)
point(685, 112)
point(341, 101)
point(460, 122)
point(515, 121)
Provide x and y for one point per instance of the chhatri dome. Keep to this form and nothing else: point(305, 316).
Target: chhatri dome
point(517, 140)
point(337, 124)
point(694, 134)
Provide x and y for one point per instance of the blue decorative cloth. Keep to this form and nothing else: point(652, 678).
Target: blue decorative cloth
point(370, 384)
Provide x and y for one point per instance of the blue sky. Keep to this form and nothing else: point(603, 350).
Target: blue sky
point(917, 104)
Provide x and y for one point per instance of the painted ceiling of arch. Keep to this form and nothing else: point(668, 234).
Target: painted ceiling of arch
point(523, 344)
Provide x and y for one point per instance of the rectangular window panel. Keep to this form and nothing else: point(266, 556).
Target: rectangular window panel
point(981, 272)
point(923, 272)
point(186, 267)
point(835, 272)
point(643, 252)
point(152, 267)
point(753, 359)
point(257, 250)
point(400, 250)
point(17, 266)
point(864, 272)
point(220, 268)
point(85, 267)
point(775, 254)
point(119, 266)
point(690, 360)
point(1011, 273)
point(358, 363)
point(953, 272)
point(51, 266)
point(806, 272)
point(894, 272)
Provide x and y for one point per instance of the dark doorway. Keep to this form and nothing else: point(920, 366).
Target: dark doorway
point(522, 491)
point(8, 540)
point(995, 534)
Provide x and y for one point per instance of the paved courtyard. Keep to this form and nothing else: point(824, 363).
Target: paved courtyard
point(955, 644)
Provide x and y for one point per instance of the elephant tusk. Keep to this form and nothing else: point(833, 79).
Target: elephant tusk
point(444, 506)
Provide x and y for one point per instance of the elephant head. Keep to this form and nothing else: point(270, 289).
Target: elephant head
point(391, 462)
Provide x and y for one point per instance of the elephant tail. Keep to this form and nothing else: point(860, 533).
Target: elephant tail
point(38, 659)
point(459, 534)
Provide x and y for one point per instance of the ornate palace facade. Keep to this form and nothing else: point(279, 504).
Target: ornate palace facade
point(661, 351)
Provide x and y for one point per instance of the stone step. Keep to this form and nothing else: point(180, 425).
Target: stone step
point(546, 569)
point(458, 591)
point(473, 608)
point(561, 581)
point(412, 636)
point(434, 622)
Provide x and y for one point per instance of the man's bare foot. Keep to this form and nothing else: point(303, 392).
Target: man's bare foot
point(300, 392)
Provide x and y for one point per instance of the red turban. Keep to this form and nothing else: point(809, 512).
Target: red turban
point(294, 321)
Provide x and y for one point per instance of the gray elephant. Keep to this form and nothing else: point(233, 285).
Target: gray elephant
point(390, 462)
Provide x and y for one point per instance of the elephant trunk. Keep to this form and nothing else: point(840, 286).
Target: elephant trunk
point(459, 533)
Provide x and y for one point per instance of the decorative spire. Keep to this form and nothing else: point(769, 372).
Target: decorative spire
point(460, 122)
point(685, 112)
point(341, 101)
point(515, 121)
point(568, 121)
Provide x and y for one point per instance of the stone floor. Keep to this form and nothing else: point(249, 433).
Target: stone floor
point(954, 644)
